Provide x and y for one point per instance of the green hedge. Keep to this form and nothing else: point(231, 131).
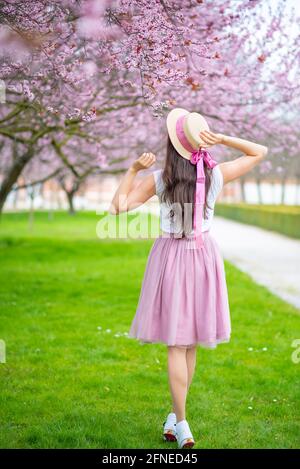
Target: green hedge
point(280, 218)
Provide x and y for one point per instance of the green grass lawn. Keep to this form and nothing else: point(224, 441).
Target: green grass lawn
point(68, 384)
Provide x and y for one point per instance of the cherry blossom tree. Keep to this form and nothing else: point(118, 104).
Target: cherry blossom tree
point(88, 83)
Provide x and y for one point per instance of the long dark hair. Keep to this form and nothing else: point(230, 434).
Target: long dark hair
point(179, 177)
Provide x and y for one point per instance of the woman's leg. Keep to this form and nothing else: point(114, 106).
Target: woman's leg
point(191, 356)
point(178, 379)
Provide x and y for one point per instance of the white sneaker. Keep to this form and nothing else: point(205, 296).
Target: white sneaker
point(184, 435)
point(169, 428)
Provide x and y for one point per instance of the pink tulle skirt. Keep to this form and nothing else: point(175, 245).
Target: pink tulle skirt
point(183, 299)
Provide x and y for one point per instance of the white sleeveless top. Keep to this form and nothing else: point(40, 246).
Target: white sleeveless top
point(171, 226)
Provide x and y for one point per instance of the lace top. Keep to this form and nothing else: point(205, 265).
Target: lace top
point(171, 226)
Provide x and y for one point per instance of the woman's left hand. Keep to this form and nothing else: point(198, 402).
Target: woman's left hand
point(210, 138)
point(143, 162)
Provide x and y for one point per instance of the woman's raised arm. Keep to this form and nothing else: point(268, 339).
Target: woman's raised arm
point(128, 197)
point(254, 153)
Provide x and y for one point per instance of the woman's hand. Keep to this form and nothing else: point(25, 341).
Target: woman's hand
point(210, 138)
point(143, 162)
point(127, 197)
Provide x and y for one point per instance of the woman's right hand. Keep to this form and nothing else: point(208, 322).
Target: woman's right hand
point(210, 138)
point(143, 162)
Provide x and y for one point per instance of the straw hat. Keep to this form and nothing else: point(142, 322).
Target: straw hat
point(184, 129)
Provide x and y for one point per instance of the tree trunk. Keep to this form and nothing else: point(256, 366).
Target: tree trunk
point(15, 200)
point(70, 192)
point(12, 175)
point(243, 191)
point(70, 197)
point(259, 191)
point(31, 210)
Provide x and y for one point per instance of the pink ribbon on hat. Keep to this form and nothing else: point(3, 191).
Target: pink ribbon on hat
point(198, 157)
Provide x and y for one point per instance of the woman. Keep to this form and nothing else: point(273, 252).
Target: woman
point(183, 301)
